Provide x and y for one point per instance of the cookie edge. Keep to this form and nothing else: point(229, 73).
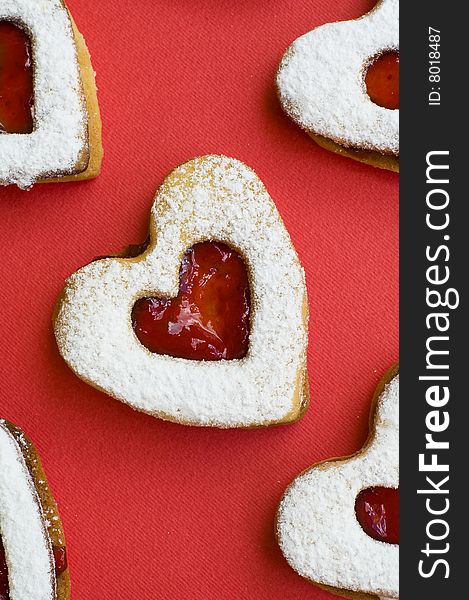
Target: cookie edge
point(301, 393)
point(47, 503)
point(94, 123)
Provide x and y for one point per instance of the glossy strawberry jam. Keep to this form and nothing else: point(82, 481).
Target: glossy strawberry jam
point(382, 80)
point(377, 510)
point(60, 560)
point(209, 318)
point(16, 80)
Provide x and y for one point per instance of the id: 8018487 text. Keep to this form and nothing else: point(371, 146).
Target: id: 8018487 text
point(434, 66)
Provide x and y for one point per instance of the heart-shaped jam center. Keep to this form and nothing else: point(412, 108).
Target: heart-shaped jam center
point(377, 510)
point(209, 318)
point(382, 80)
point(60, 562)
point(16, 80)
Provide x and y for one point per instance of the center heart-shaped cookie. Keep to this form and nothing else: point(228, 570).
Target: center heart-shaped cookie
point(16, 80)
point(194, 304)
point(209, 319)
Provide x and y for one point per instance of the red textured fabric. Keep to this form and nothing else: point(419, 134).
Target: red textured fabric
point(152, 509)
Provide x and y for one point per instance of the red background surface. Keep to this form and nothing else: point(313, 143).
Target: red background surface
point(152, 509)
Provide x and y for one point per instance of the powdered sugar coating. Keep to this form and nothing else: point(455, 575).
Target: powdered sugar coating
point(318, 531)
point(208, 198)
point(27, 549)
point(321, 81)
point(60, 119)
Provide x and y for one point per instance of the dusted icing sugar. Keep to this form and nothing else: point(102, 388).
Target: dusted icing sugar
point(321, 80)
point(60, 120)
point(318, 531)
point(208, 198)
point(27, 549)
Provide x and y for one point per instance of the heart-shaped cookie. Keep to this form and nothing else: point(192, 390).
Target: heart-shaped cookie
point(50, 128)
point(33, 563)
point(337, 523)
point(336, 81)
point(107, 307)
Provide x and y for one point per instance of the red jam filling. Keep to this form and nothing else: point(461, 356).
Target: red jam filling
point(377, 511)
point(382, 80)
point(60, 560)
point(209, 318)
point(16, 80)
